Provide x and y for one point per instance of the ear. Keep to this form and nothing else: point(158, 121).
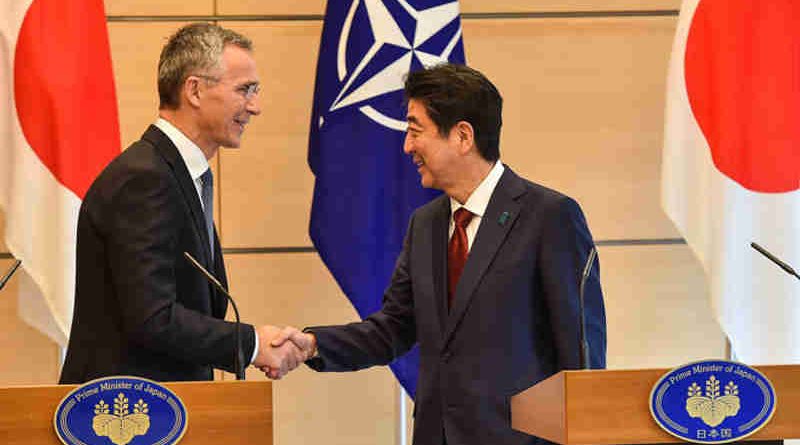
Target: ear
point(191, 90)
point(465, 135)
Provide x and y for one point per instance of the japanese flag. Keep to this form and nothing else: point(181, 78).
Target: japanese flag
point(58, 129)
point(731, 164)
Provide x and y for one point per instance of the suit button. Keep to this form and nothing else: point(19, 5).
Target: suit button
point(446, 357)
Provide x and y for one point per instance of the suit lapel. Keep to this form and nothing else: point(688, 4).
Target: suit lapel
point(441, 221)
point(220, 302)
point(496, 223)
point(170, 153)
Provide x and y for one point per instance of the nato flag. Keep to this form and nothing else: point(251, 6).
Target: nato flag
point(366, 187)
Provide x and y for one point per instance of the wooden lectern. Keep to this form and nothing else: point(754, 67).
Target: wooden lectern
point(611, 407)
point(223, 412)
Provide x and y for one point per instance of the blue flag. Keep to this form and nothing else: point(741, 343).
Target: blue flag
point(366, 187)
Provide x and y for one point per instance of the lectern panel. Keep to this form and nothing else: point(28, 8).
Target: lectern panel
point(220, 412)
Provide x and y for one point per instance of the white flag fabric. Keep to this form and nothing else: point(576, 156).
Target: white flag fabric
point(58, 129)
point(731, 164)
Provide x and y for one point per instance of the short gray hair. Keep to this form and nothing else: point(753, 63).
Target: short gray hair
point(193, 49)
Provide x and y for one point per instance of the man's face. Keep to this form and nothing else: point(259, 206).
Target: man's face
point(433, 154)
point(229, 99)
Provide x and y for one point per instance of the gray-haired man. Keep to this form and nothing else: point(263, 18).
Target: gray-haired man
point(140, 307)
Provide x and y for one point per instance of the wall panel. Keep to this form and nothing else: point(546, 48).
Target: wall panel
point(259, 7)
point(266, 185)
point(583, 101)
point(344, 408)
point(317, 7)
point(135, 48)
point(517, 6)
point(30, 358)
point(158, 7)
point(3, 247)
point(657, 309)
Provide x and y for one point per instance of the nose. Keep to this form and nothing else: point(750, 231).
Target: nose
point(408, 146)
point(252, 106)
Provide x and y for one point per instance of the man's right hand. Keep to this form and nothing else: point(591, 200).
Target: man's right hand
point(304, 346)
point(277, 359)
point(305, 341)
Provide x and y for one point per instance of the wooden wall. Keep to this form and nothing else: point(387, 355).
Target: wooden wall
point(584, 85)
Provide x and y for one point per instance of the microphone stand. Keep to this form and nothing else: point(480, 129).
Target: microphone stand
point(788, 269)
point(585, 362)
point(10, 272)
point(237, 364)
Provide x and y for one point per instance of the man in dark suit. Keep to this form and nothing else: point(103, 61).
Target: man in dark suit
point(140, 307)
point(488, 279)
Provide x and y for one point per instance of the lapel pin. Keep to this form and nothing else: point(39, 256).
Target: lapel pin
point(503, 218)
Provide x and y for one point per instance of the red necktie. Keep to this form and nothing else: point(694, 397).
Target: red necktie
point(457, 251)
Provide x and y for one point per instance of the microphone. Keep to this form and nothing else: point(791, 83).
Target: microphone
point(237, 364)
point(775, 260)
point(8, 274)
point(584, 346)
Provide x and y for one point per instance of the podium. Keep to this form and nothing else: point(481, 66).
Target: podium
point(229, 412)
point(611, 407)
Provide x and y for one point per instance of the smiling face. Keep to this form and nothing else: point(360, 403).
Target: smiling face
point(228, 99)
point(435, 156)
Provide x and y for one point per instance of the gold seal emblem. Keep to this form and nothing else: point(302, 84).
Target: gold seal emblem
point(712, 408)
point(122, 426)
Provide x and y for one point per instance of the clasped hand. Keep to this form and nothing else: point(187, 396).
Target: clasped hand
point(282, 350)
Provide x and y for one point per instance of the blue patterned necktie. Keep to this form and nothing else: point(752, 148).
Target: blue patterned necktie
point(207, 192)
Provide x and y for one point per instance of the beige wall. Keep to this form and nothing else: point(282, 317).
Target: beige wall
point(584, 98)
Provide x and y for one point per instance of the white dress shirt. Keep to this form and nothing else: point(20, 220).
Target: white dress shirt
point(196, 163)
point(192, 156)
point(477, 202)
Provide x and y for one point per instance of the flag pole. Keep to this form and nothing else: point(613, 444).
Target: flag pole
point(401, 436)
point(728, 349)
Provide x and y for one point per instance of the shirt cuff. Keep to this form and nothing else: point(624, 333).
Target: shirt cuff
point(255, 348)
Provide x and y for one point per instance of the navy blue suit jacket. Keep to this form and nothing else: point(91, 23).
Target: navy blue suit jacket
point(140, 307)
point(514, 321)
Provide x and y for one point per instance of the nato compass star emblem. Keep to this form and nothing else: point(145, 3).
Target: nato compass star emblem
point(380, 42)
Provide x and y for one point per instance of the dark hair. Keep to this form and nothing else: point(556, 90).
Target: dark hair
point(451, 93)
point(193, 49)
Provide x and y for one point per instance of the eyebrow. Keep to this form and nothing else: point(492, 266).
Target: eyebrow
point(413, 120)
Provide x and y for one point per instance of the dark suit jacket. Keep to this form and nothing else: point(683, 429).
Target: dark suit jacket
point(140, 307)
point(514, 321)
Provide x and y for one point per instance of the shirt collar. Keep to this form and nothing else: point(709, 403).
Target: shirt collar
point(479, 199)
point(192, 156)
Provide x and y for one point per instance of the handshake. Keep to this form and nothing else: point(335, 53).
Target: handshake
point(282, 350)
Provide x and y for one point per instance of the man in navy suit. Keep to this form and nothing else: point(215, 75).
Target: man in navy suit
point(140, 307)
point(488, 279)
